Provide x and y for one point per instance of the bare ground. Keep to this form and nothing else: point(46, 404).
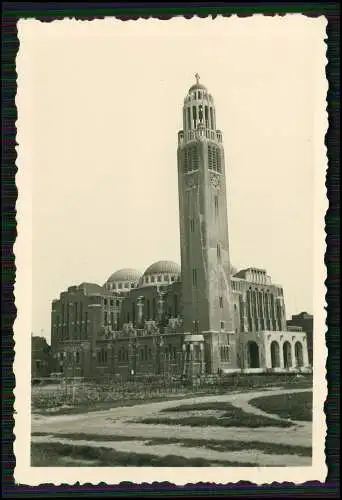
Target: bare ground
point(118, 421)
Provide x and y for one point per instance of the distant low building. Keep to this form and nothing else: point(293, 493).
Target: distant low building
point(304, 321)
point(41, 357)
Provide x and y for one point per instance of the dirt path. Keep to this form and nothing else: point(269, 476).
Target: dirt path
point(148, 409)
point(117, 422)
point(248, 456)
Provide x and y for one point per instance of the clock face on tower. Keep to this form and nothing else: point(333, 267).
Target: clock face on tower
point(214, 180)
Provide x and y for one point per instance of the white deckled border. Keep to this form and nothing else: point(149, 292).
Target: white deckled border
point(24, 473)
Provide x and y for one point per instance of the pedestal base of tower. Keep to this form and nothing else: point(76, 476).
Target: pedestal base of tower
point(220, 351)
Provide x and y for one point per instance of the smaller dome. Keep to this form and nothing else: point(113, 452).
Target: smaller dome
point(197, 86)
point(163, 266)
point(125, 275)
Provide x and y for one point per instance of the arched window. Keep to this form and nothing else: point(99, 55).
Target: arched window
point(287, 354)
point(275, 354)
point(194, 115)
point(206, 116)
point(211, 118)
point(299, 354)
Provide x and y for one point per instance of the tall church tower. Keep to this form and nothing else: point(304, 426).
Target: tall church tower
point(207, 296)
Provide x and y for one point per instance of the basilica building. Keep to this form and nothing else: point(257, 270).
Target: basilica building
point(201, 318)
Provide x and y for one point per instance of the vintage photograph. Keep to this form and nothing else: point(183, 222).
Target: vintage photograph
point(176, 314)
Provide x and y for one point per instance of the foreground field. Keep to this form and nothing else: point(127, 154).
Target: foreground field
point(121, 437)
point(297, 406)
point(87, 397)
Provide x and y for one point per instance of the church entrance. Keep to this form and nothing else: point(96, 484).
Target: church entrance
point(253, 355)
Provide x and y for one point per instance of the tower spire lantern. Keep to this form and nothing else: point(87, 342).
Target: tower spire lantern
point(197, 78)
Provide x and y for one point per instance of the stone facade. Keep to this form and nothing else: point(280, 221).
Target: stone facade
point(304, 322)
point(197, 319)
point(40, 357)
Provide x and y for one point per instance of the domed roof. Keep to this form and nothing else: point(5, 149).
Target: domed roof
point(125, 275)
point(163, 266)
point(197, 86)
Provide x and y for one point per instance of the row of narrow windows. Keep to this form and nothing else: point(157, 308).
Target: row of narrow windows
point(61, 326)
point(150, 309)
point(121, 286)
point(200, 114)
point(69, 357)
point(191, 159)
point(214, 159)
point(197, 95)
point(225, 354)
point(110, 318)
point(143, 354)
point(74, 311)
point(159, 278)
point(111, 302)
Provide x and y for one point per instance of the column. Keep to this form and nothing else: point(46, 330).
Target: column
point(250, 309)
point(160, 305)
point(257, 316)
point(305, 353)
point(293, 355)
point(270, 311)
point(263, 311)
point(202, 358)
point(140, 306)
point(281, 355)
point(184, 356)
point(244, 315)
point(275, 314)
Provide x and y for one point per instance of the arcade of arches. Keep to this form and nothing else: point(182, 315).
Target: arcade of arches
point(284, 355)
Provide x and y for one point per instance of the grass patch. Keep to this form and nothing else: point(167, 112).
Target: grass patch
point(296, 406)
point(232, 417)
point(217, 445)
point(103, 395)
point(89, 407)
point(53, 454)
point(88, 437)
point(229, 445)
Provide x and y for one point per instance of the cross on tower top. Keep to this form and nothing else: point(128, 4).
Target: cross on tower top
point(197, 78)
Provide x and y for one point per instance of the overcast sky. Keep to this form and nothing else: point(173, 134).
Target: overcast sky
point(105, 101)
